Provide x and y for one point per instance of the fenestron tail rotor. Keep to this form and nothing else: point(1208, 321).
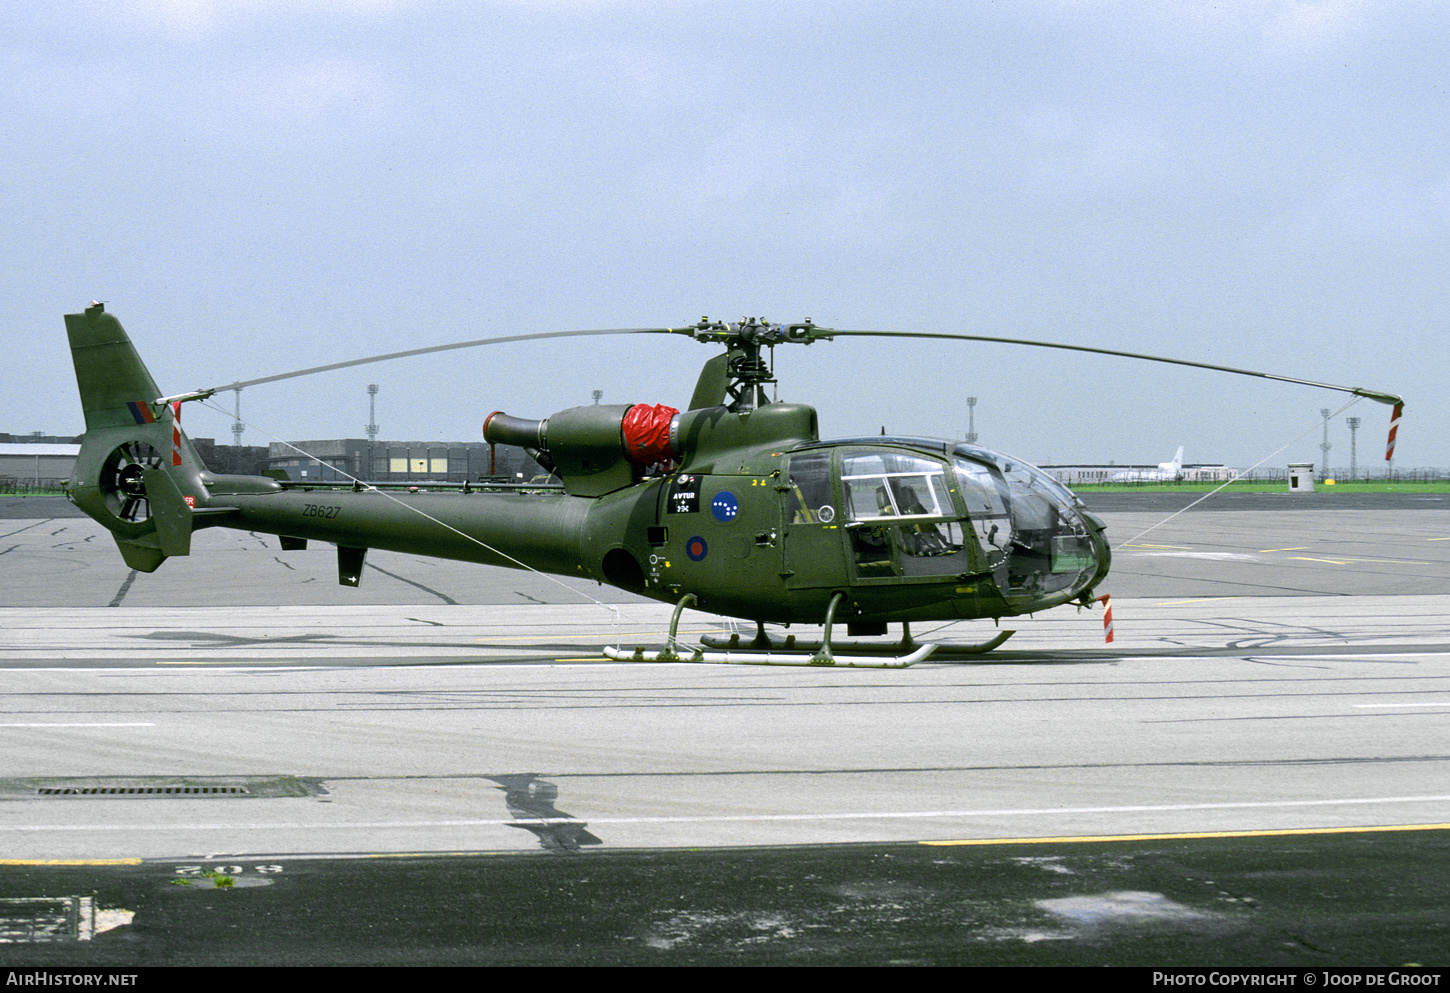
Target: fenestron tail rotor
point(122, 481)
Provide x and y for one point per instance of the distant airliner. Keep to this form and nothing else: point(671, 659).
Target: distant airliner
point(1166, 472)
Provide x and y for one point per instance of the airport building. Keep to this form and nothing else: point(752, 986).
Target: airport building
point(1076, 475)
point(42, 462)
point(401, 461)
point(37, 464)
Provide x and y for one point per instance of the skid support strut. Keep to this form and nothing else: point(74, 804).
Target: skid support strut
point(671, 653)
point(824, 656)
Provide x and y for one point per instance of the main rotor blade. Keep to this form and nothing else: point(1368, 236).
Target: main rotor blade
point(433, 348)
point(1386, 398)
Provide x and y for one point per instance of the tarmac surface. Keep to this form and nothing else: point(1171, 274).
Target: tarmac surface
point(440, 767)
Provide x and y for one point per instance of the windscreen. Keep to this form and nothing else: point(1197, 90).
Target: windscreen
point(1036, 541)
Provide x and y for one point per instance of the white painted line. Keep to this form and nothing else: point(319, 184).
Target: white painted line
point(720, 818)
point(78, 724)
point(1427, 703)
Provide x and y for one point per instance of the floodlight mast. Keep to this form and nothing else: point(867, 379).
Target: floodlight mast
point(237, 426)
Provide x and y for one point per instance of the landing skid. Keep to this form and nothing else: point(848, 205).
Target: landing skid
point(800, 658)
point(904, 648)
point(765, 650)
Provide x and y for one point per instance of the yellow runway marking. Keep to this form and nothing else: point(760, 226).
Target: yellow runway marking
point(1302, 558)
point(1302, 548)
point(1191, 835)
point(70, 861)
point(611, 636)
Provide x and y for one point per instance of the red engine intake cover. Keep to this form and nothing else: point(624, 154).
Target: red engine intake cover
point(647, 434)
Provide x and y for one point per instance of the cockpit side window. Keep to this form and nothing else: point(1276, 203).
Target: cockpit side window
point(903, 519)
point(891, 484)
point(809, 500)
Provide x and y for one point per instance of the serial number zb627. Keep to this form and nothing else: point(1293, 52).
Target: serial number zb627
point(319, 510)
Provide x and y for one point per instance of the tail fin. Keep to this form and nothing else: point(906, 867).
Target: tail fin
point(1174, 469)
point(137, 474)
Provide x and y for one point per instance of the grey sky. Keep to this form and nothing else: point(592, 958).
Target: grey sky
point(255, 187)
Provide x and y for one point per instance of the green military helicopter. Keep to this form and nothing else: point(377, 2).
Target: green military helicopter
point(734, 506)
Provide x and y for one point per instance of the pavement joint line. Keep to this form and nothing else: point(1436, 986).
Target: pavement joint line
point(82, 724)
point(716, 818)
point(1426, 703)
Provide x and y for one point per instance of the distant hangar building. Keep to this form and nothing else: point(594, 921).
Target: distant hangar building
point(37, 463)
point(45, 462)
point(343, 459)
point(1076, 475)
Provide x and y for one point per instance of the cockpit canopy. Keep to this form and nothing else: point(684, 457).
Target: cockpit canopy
point(967, 510)
point(1030, 526)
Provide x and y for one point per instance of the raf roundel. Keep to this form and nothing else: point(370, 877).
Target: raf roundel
point(725, 506)
point(696, 549)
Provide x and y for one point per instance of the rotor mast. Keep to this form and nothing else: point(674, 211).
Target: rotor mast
point(747, 371)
